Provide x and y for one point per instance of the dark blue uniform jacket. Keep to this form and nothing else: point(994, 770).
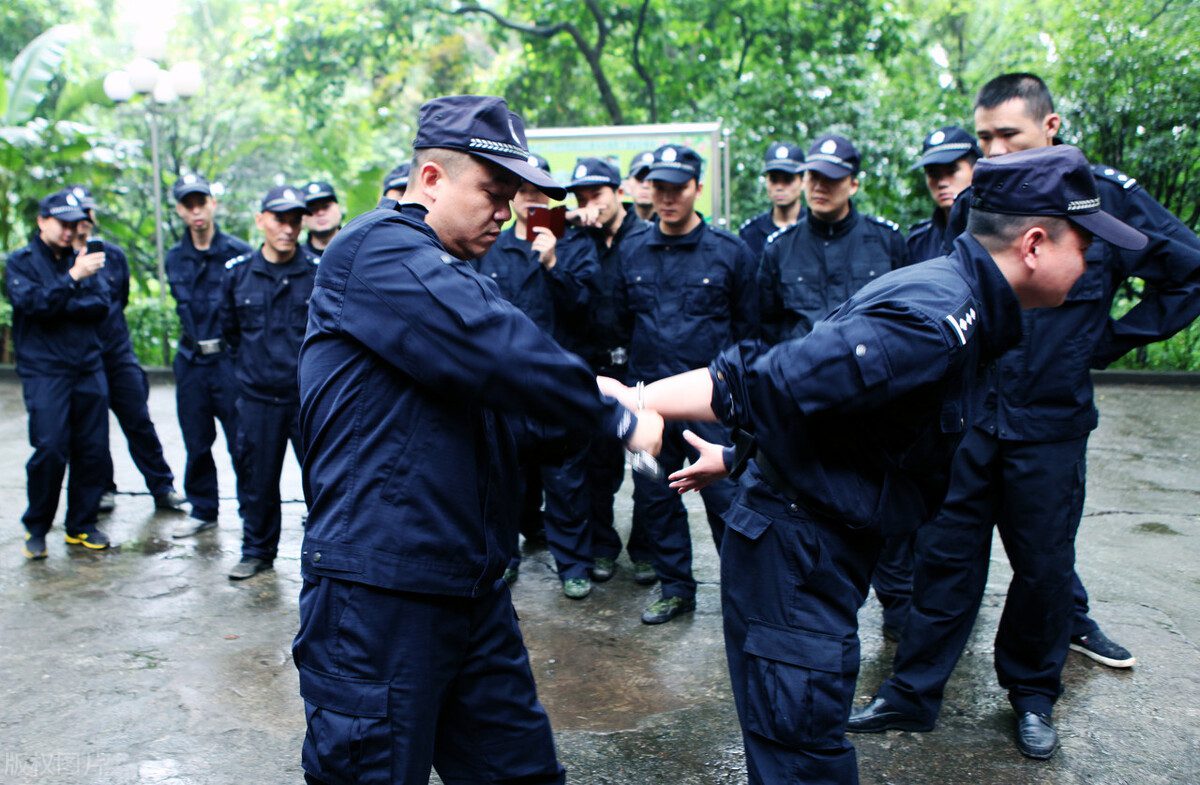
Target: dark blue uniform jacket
point(195, 279)
point(927, 239)
point(411, 367)
point(812, 266)
point(603, 328)
point(755, 231)
point(115, 342)
point(543, 295)
point(686, 298)
point(863, 414)
point(264, 314)
point(1041, 391)
point(56, 320)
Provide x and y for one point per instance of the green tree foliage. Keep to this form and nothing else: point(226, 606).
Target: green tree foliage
point(329, 89)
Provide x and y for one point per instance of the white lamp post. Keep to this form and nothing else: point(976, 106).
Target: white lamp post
point(143, 76)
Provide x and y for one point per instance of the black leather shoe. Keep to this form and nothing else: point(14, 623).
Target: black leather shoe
point(879, 715)
point(1036, 737)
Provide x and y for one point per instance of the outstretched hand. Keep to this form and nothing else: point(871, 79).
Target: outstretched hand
point(708, 467)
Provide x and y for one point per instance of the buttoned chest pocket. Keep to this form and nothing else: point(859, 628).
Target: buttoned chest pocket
point(868, 265)
point(704, 295)
point(801, 292)
point(251, 311)
point(641, 292)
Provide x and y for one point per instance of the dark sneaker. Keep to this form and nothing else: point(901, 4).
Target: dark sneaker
point(189, 527)
point(34, 547)
point(510, 575)
point(93, 539)
point(603, 569)
point(1036, 737)
point(1104, 651)
point(108, 502)
point(577, 588)
point(248, 567)
point(644, 574)
point(666, 609)
point(169, 501)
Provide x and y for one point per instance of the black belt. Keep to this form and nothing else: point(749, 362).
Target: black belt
point(205, 347)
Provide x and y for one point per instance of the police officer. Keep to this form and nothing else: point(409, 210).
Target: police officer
point(59, 303)
point(395, 182)
point(411, 375)
point(204, 384)
point(324, 217)
point(264, 311)
point(638, 188)
point(610, 225)
point(948, 156)
point(815, 264)
point(1021, 466)
point(783, 166)
point(549, 279)
point(128, 389)
point(681, 278)
point(856, 426)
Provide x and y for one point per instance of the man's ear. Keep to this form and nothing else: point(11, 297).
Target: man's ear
point(1032, 246)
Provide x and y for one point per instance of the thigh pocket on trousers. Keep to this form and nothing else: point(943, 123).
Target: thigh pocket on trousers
point(349, 738)
point(794, 686)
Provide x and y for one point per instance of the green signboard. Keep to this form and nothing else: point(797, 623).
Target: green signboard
point(620, 143)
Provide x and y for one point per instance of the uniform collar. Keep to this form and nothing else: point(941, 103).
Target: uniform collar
point(1001, 310)
point(688, 240)
point(49, 252)
point(831, 230)
point(259, 263)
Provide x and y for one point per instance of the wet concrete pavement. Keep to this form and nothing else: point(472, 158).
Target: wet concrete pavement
point(146, 665)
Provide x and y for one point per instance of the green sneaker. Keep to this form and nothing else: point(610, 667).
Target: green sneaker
point(510, 575)
point(34, 547)
point(577, 588)
point(666, 609)
point(603, 569)
point(644, 574)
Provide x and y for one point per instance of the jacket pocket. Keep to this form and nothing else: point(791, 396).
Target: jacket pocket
point(705, 296)
point(349, 739)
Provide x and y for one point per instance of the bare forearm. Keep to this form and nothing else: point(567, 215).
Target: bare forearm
point(686, 396)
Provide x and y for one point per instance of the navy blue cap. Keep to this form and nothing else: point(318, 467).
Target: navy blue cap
point(591, 172)
point(539, 162)
point(947, 145)
point(641, 164)
point(318, 190)
point(63, 205)
point(783, 157)
point(833, 156)
point(675, 163)
point(84, 195)
point(1054, 181)
point(190, 184)
point(397, 178)
point(284, 199)
point(483, 126)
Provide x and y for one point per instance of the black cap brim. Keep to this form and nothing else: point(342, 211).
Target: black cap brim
point(1111, 230)
point(591, 182)
point(670, 175)
point(191, 189)
point(530, 174)
point(70, 216)
point(829, 169)
point(288, 207)
point(940, 157)
point(787, 166)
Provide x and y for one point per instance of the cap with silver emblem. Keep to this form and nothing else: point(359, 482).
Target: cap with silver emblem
point(641, 164)
point(84, 195)
point(833, 156)
point(783, 157)
point(675, 163)
point(283, 199)
point(318, 190)
point(1054, 181)
point(63, 205)
point(483, 126)
point(190, 184)
point(946, 145)
point(397, 179)
point(590, 172)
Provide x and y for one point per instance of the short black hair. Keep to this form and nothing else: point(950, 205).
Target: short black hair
point(1028, 87)
point(998, 230)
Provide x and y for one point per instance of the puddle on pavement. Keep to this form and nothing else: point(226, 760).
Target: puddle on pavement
point(1154, 527)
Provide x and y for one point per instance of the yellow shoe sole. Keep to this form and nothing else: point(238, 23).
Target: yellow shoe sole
point(82, 539)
